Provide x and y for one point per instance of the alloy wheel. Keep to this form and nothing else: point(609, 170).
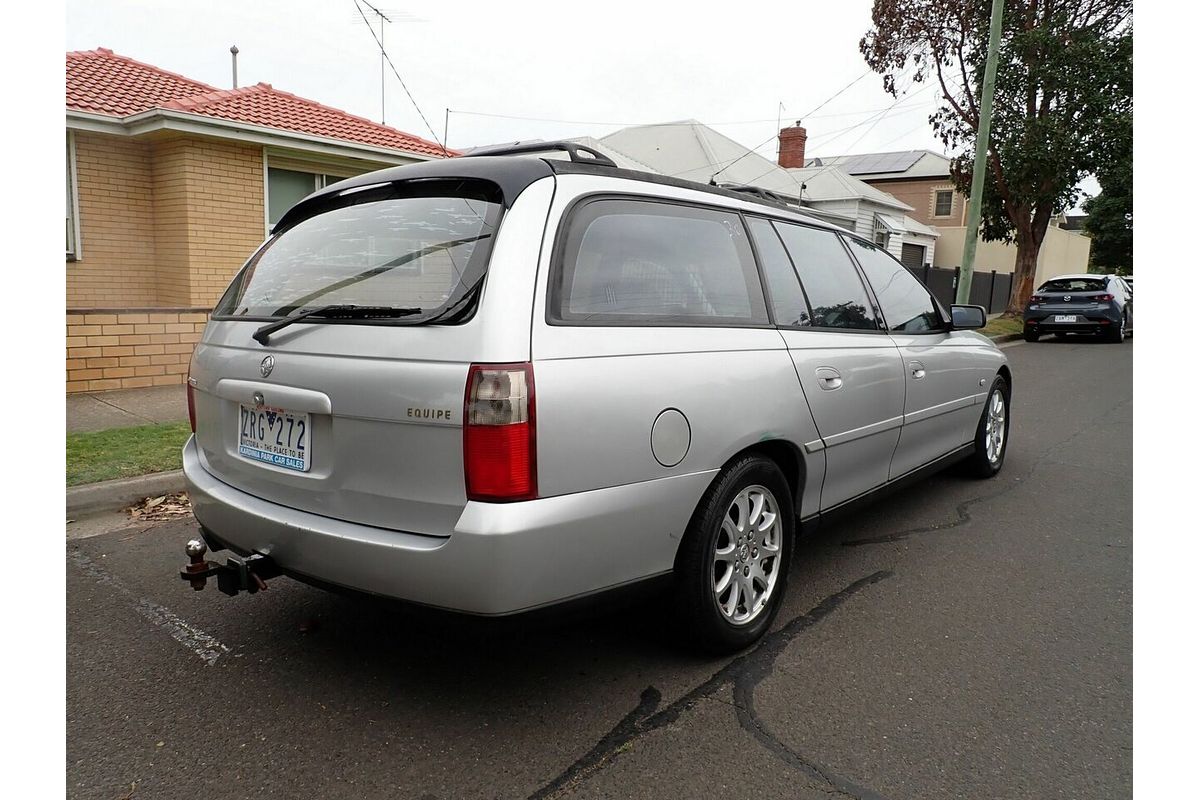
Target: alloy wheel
point(994, 430)
point(746, 563)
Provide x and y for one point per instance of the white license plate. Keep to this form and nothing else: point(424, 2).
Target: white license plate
point(275, 436)
point(1064, 317)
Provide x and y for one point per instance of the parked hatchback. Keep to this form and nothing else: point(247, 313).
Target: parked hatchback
point(496, 383)
point(1099, 305)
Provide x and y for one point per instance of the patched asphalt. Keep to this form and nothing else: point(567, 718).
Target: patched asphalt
point(960, 639)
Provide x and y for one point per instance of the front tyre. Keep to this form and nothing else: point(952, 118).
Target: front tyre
point(991, 435)
point(732, 567)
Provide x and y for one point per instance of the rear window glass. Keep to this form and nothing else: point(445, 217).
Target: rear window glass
point(1074, 285)
point(632, 262)
point(423, 252)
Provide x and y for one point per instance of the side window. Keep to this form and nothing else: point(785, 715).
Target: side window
point(787, 298)
point(636, 262)
point(906, 303)
point(830, 281)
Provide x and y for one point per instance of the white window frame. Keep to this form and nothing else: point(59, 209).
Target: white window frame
point(949, 213)
point(76, 252)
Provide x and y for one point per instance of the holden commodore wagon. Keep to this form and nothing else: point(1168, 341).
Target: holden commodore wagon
point(500, 382)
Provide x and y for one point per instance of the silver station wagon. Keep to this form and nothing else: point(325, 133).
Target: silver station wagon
point(496, 383)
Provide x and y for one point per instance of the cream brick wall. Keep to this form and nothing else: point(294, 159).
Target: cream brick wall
point(117, 224)
point(165, 222)
point(130, 348)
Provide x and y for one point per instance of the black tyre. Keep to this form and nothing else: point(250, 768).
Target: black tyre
point(732, 567)
point(991, 435)
point(1116, 333)
point(1031, 335)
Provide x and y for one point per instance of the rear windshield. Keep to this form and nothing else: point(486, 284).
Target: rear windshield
point(422, 247)
point(1074, 285)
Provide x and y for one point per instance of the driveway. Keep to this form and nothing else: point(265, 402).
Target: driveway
point(961, 639)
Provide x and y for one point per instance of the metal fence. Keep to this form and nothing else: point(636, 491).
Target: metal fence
point(988, 289)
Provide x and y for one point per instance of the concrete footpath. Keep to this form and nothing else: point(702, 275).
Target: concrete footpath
point(123, 408)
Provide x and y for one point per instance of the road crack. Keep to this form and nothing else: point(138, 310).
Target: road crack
point(744, 673)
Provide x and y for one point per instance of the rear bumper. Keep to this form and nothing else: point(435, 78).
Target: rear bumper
point(1090, 322)
point(501, 558)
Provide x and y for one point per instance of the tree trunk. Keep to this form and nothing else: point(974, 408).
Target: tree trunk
point(1029, 244)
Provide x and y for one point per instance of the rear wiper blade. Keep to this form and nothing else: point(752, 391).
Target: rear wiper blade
point(339, 310)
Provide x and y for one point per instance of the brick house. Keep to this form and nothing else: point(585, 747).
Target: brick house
point(171, 184)
point(921, 179)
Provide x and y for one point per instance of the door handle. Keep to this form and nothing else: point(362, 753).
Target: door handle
point(916, 369)
point(829, 378)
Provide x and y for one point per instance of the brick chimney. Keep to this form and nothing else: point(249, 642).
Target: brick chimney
point(791, 146)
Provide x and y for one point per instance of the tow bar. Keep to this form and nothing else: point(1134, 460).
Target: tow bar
point(236, 575)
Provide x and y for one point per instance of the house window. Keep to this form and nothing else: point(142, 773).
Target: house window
point(943, 203)
point(286, 187)
point(73, 250)
point(881, 239)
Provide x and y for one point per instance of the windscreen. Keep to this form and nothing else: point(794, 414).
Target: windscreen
point(1074, 285)
point(424, 251)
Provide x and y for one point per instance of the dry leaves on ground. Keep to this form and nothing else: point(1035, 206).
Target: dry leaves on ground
point(163, 507)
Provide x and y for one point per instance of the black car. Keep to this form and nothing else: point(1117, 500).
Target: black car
point(1099, 305)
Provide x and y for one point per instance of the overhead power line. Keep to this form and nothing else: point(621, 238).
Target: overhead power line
point(403, 85)
point(626, 124)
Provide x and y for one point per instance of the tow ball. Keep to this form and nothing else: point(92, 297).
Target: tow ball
point(237, 574)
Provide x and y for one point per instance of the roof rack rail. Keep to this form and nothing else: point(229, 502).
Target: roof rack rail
point(572, 149)
point(757, 191)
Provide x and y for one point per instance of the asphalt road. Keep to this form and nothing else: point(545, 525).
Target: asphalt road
point(961, 639)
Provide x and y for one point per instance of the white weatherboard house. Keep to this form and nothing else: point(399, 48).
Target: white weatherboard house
point(693, 151)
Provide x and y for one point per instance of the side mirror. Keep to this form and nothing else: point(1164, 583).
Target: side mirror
point(967, 318)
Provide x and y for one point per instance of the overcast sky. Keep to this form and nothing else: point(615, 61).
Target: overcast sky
point(564, 69)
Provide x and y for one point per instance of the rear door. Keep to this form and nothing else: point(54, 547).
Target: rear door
point(940, 373)
point(360, 419)
point(850, 371)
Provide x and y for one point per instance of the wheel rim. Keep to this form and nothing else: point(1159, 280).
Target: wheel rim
point(747, 555)
point(994, 429)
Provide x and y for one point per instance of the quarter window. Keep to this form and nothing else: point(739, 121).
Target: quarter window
point(833, 286)
point(787, 298)
point(907, 305)
point(633, 262)
point(943, 203)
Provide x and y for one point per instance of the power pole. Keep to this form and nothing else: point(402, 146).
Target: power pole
point(982, 137)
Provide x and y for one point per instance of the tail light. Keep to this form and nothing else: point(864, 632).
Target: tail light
point(499, 433)
point(1037, 298)
point(1104, 298)
point(191, 400)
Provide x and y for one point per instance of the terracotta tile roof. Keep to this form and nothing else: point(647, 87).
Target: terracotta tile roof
point(102, 82)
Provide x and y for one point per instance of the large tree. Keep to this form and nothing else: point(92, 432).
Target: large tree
point(1064, 76)
point(1110, 213)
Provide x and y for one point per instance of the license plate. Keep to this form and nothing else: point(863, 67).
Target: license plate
point(275, 436)
point(1064, 317)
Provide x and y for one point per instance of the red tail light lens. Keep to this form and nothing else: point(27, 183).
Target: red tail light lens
point(499, 433)
point(191, 400)
point(1104, 298)
point(1037, 298)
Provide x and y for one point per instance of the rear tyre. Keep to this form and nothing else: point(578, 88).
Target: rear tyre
point(991, 435)
point(1116, 333)
point(1031, 336)
point(732, 567)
